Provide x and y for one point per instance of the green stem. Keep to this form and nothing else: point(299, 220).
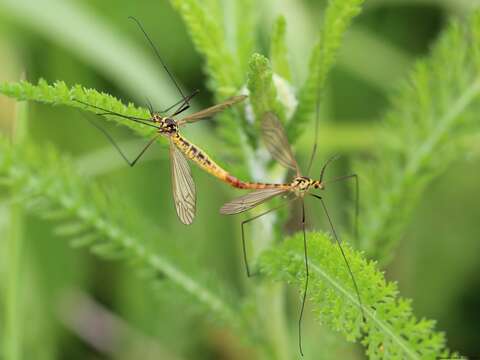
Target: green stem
point(13, 321)
point(270, 298)
point(272, 305)
point(12, 314)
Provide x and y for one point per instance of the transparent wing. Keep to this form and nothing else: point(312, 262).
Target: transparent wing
point(277, 143)
point(183, 186)
point(250, 200)
point(211, 111)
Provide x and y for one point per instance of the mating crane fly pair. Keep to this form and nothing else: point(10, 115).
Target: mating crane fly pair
point(275, 139)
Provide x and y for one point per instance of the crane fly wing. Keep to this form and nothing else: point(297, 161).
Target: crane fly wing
point(277, 143)
point(211, 111)
point(250, 200)
point(183, 187)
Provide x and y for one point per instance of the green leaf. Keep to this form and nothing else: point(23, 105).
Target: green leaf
point(246, 16)
point(60, 94)
point(278, 49)
point(338, 16)
point(226, 77)
point(229, 124)
point(117, 230)
point(209, 39)
point(263, 94)
point(423, 131)
point(391, 330)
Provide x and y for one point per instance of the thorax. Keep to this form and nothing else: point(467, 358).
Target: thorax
point(302, 184)
point(166, 126)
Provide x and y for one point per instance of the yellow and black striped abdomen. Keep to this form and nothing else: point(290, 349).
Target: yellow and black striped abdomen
point(201, 158)
point(198, 156)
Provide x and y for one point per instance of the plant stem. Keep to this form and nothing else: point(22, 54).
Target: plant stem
point(13, 321)
point(270, 298)
point(12, 313)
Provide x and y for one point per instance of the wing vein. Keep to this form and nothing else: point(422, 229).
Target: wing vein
point(183, 186)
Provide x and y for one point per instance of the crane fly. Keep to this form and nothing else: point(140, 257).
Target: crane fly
point(277, 144)
point(183, 186)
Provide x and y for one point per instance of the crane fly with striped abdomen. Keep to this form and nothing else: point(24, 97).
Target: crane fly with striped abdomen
point(183, 186)
point(276, 142)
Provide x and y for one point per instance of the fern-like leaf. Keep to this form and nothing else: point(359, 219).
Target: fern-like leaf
point(392, 331)
point(246, 17)
point(209, 39)
point(263, 94)
point(278, 49)
point(60, 94)
point(338, 16)
point(46, 185)
point(430, 111)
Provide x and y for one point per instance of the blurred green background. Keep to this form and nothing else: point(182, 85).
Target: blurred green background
point(92, 43)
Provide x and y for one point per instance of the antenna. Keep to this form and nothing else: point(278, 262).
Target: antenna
point(331, 159)
point(152, 45)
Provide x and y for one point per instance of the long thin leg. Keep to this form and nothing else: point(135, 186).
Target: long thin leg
point(155, 50)
point(190, 97)
point(150, 107)
point(357, 197)
point(185, 99)
point(307, 275)
point(142, 152)
point(185, 104)
point(337, 239)
point(110, 139)
point(244, 246)
point(108, 112)
point(314, 148)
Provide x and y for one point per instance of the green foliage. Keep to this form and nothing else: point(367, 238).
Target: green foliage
point(278, 49)
point(15, 256)
point(436, 103)
point(60, 94)
point(225, 69)
point(392, 331)
point(423, 128)
point(263, 94)
point(46, 185)
point(246, 18)
point(209, 39)
point(338, 16)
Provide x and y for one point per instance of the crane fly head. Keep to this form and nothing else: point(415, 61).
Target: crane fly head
point(166, 126)
point(318, 184)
